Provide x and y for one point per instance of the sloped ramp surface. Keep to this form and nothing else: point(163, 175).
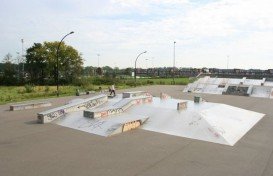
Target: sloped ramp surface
point(103, 127)
point(212, 122)
point(218, 123)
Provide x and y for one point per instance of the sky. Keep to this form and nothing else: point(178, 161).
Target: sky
point(208, 33)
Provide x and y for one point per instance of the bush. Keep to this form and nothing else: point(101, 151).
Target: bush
point(82, 82)
point(47, 88)
point(182, 83)
point(90, 87)
point(162, 83)
point(150, 82)
point(132, 83)
point(103, 81)
point(29, 88)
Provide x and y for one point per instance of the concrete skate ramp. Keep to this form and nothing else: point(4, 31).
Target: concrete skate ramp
point(53, 114)
point(117, 108)
point(231, 86)
point(103, 127)
point(261, 91)
point(217, 123)
point(212, 122)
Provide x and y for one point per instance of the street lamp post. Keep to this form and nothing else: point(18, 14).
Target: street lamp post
point(136, 62)
point(173, 59)
point(23, 70)
point(58, 61)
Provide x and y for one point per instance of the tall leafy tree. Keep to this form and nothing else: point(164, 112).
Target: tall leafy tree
point(9, 73)
point(41, 62)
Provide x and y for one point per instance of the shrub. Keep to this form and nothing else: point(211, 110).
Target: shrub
point(150, 82)
point(162, 82)
point(29, 88)
point(47, 88)
point(132, 83)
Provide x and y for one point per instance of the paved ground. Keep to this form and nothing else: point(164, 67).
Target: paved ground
point(31, 149)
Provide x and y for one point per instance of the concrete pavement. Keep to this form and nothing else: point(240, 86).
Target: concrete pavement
point(28, 148)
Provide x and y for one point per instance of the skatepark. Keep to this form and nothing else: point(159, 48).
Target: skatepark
point(231, 86)
point(164, 141)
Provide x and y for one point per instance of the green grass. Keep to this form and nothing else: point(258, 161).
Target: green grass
point(20, 93)
point(164, 81)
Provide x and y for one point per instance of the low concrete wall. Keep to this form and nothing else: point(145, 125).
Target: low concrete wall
point(85, 93)
point(135, 94)
point(117, 108)
point(130, 125)
point(29, 106)
point(182, 105)
point(164, 96)
point(52, 114)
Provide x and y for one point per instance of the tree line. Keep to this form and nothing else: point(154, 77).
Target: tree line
point(40, 66)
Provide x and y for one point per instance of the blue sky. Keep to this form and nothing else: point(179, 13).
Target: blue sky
point(206, 31)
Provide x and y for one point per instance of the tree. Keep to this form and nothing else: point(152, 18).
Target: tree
point(9, 73)
point(107, 71)
point(89, 71)
point(99, 71)
point(41, 62)
point(37, 63)
point(128, 71)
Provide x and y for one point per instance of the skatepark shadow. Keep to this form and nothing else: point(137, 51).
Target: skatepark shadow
point(32, 122)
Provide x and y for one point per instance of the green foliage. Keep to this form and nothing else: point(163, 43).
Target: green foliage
point(99, 71)
point(47, 88)
point(9, 72)
point(41, 62)
point(29, 88)
point(150, 82)
point(19, 93)
point(162, 82)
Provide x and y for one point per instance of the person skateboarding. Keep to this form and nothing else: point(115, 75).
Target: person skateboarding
point(113, 90)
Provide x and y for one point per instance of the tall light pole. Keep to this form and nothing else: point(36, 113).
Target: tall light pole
point(18, 68)
point(23, 69)
point(173, 59)
point(58, 61)
point(136, 62)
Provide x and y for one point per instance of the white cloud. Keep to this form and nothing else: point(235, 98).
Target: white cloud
point(119, 29)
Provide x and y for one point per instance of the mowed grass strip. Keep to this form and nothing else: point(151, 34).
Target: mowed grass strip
point(10, 94)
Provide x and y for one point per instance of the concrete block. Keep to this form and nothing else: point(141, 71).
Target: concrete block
point(135, 94)
point(198, 99)
point(117, 108)
point(31, 105)
point(164, 96)
point(53, 114)
point(182, 105)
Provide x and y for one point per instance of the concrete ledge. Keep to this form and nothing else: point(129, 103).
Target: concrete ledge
point(164, 96)
point(29, 106)
point(135, 94)
point(85, 93)
point(52, 114)
point(117, 108)
point(127, 126)
point(182, 105)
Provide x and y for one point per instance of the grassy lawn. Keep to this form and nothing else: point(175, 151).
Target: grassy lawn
point(20, 93)
point(164, 81)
